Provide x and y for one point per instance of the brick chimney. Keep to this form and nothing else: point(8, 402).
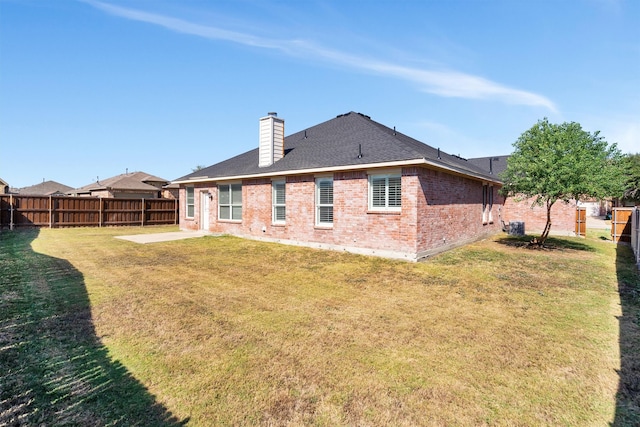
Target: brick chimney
point(271, 140)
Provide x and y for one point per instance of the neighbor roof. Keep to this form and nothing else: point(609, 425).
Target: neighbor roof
point(336, 145)
point(45, 188)
point(127, 181)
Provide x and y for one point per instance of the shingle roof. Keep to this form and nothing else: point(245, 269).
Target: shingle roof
point(45, 188)
point(493, 164)
point(126, 181)
point(337, 143)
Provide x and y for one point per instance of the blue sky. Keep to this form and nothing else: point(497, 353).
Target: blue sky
point(90, 89)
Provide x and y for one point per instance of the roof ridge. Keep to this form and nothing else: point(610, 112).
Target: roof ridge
point(347, 140)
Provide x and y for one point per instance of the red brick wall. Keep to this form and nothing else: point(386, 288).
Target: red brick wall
point(438, 210)
point(194, 223)
point(450, 210)
point(563, 216)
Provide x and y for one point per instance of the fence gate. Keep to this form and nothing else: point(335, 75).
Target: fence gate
point(621, 224)
point(581, 221)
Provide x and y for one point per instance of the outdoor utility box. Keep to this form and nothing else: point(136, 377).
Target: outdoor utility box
point(516, 228)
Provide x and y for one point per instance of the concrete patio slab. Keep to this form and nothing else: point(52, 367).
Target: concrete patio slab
point(164, 237)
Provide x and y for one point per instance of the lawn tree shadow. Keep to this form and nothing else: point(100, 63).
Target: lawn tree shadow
point(54, 370)
point(551, 244)
point(628, 396)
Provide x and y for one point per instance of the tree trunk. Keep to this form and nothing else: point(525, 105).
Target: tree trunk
point(547, 227)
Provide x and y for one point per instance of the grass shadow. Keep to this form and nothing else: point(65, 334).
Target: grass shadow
point(551, 244)
point(628, 395)
point(54, 370)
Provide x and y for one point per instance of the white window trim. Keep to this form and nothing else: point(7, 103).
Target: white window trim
point(490, 203)
point(487, 203)
point(386, 207)
point(275, 204)
point(317, 202)
point(187, 204)
point(231, 204)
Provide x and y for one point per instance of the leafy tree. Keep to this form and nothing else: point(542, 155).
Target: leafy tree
point(632, 183)
point(197, 168)
point(554, 162)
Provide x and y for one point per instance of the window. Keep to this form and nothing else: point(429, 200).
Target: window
point(279, 200)
point(487, 204)
point(190, 202)
point(385, 192)
point(230, 201)
point(324, 201)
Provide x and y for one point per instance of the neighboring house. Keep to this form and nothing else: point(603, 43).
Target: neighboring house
point(563, 215)
point(171, 191)
point(4, 187)
point(596, 207)
point(126, 186)
point(45, 188)
point(349, 183)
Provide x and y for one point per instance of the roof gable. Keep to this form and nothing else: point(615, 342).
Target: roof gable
point(348, 141)
point(45, 188)
point(127, 181)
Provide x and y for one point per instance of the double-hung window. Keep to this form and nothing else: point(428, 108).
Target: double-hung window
point(324, 201)
point(279, 202)
point(487, 204)
point(190, 202)
point(385, 192)
point(230, 201)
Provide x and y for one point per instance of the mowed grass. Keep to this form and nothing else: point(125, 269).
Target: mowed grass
point(226, 331)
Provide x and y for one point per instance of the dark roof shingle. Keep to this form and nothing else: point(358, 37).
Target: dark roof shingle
point(338, 143)
point(45, 188)
point(494, 165)
point(126, 181)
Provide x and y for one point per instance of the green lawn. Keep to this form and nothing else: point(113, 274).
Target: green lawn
point(225, 331)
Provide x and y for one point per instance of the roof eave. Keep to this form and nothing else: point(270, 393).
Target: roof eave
point(400, 163)
point(460, 171)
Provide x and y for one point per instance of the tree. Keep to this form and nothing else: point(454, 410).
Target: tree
point(554, 162)
point(632, 182)
point(197, 168)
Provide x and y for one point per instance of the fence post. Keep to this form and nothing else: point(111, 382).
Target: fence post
point(635, 234)
point(142, 218)
point(50, 211)
point(11, 212)
point(100, 209)
point(175, 212)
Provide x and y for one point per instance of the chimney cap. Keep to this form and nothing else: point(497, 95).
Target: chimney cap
point(272, 114)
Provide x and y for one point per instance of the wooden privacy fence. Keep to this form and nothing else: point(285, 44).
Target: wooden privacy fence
point(621, 224)
point(635, 234)
point(62, 211)
point(581, 221)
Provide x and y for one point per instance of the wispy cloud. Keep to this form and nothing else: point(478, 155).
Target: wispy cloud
point(455, 141)
point(445, 83)
point(625, 133)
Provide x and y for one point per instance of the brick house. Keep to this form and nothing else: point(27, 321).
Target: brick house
point(45, 188)
point(563, 214)
point(349, 183)
point(4, 187)
point(130, 185)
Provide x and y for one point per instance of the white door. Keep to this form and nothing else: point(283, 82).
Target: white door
point(204, 211)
